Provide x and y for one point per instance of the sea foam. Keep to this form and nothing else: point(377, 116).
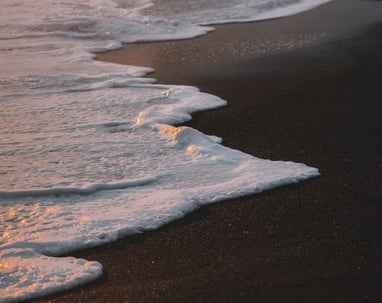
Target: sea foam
point(88, 153)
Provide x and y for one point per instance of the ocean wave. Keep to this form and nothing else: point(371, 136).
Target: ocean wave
point(67, 119)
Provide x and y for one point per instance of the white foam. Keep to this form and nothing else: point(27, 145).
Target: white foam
point(228, 11)
point(26, 274)
point(87, 150)
point(188, 100)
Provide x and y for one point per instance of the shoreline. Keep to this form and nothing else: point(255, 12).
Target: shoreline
point(234, 42)
point(312, 242)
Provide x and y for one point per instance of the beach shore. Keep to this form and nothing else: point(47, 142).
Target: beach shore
point(309, 92)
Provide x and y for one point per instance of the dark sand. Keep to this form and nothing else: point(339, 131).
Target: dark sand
point(318, 241)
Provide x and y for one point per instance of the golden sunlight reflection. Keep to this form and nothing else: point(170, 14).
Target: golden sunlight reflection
point(192, 149)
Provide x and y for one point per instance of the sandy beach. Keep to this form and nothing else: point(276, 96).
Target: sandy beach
point(305, 88)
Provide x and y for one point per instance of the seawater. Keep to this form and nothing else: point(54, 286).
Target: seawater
point(87, 150)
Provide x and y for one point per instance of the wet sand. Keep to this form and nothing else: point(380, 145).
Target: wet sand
point(318, 241)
